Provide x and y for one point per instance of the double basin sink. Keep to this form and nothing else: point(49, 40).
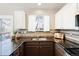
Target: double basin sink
point(39, 39)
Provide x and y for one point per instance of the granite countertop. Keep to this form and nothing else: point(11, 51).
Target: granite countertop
point(69, 44)
point(70, 47)
point(8, 46)
point(35, 34)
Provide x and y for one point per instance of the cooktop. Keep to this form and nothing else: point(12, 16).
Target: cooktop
point(72, 51)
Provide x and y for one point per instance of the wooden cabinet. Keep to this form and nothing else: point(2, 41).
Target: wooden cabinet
point(38, 48)
point(32, 51)
point(34, 48)
point(46, 48)
point(59, 51)
point(31, 48)
point(46, 51)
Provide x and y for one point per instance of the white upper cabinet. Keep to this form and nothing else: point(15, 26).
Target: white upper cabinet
point(58, 20)
point(19, 20)
point(65, 18)
point(46, 23)
point(31, 22)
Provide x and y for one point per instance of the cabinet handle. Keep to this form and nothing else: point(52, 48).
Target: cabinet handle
point(40, 47)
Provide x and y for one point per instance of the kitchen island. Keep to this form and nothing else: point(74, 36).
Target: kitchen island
point(11, 47)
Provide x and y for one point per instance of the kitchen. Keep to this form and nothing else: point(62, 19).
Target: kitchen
point(39, 29)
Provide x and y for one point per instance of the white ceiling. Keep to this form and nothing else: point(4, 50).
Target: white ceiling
point(31, 6)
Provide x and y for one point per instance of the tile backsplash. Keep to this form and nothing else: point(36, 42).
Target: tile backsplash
point(72, 34)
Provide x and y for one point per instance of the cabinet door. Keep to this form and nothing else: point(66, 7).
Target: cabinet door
point(31, 48)
point(59, 50)
point(65, 17)
point(46, 50)
point(46, 23)
point(31, 23)
point(58, 20)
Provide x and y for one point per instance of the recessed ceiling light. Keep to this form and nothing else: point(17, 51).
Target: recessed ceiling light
point(39, 4)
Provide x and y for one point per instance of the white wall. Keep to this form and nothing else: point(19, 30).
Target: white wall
point(6, 12)
point(21, 23)
point(65, 17)
point(41, 12)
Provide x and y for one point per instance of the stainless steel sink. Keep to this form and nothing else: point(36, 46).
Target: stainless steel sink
point(39, 39)
point(34, 39)
point(43, 39)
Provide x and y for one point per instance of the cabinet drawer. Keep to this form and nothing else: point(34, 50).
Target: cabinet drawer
point(31, 43)
point(31, 50)
point(46, 43)
point(46, 50)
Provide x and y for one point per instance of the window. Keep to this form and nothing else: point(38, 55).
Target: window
point(38, 23)
point(6, 26)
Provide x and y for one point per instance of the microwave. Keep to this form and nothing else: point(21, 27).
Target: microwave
point(77, 20)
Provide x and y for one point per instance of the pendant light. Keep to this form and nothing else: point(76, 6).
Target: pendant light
point(39, 4)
